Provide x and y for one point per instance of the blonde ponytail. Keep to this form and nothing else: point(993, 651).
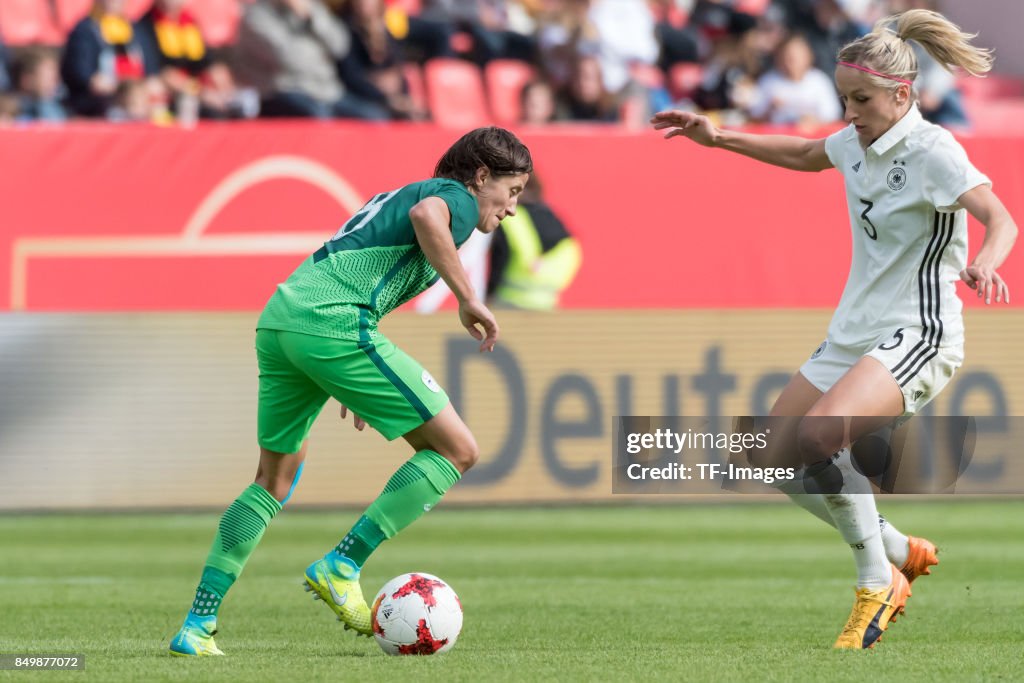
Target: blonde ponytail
point(885, 50)
point(943, 40)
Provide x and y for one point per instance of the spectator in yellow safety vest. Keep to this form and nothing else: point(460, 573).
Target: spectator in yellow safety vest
point(533, 257)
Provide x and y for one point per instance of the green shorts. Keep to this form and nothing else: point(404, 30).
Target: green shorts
point(375, 380)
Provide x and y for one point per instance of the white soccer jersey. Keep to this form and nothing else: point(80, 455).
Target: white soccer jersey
point(909, 232)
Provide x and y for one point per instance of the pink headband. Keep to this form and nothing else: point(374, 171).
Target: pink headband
point(875, 73)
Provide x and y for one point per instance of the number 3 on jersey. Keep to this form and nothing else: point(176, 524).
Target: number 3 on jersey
point(360, 218)
point(868, 226)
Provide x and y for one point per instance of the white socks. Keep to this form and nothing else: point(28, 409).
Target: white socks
point(856, 518)
point(897, 546)
point(853, 513)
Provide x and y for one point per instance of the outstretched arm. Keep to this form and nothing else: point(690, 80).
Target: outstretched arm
point(1000, 234)
point(431, 220)
point(787, 151)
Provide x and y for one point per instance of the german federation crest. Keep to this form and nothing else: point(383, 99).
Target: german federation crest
point(897, 178)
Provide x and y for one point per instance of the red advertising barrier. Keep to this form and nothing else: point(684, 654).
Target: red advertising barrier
point(99, 218)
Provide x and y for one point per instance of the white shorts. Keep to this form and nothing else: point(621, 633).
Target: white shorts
point(921, 370)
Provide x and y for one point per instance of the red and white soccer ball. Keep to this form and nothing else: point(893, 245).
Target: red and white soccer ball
point(416, 614)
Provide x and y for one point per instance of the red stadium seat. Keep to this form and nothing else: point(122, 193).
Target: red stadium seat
point(409, 7)
point(28, 22)
point(683, 79)
point(218, 20)
point(70, 12)
point(455, 92)
point(505, 79)
point(136, 8)
point(670, 13)
point(755, 7)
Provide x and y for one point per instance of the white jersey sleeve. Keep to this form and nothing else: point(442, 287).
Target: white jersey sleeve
point(948, 174)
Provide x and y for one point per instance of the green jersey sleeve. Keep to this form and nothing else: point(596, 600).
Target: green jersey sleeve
point(372, 265)
point(462, 206)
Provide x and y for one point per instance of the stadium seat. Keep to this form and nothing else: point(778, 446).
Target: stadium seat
point(70, 12)
point(670, 13)
point(755, 7)
point(411, 8)
point(455, 93)
point(505, 79)
point(683, 79)
point(28, 22)
point(136, 8)
point(218, 20)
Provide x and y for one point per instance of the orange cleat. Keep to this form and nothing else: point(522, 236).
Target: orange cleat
point(920, 559)
point(872, 613)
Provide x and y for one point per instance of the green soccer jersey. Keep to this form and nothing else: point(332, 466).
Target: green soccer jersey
point(370, 267)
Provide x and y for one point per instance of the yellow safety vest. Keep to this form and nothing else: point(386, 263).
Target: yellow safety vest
point(534, 279)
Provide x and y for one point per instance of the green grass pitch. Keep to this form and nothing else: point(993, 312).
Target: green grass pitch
point(740, 592)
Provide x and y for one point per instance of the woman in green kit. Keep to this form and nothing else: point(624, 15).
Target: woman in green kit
point(317, 338)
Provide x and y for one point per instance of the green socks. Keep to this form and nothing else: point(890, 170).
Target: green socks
point(414, 489)
point(241, 528)
point(361, 541)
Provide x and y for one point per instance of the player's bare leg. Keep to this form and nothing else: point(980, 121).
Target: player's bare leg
point(909, 553)
point(863, 400)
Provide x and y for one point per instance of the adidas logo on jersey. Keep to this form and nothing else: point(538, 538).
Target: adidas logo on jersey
point(856, 167)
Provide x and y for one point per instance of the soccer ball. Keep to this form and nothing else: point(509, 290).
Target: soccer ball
point(416, 614)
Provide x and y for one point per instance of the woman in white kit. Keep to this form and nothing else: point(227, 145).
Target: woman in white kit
point(897, 335)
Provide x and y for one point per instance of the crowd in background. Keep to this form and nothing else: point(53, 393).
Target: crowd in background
point(590, 60)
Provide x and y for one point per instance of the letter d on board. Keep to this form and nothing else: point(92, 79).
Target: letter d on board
point(459, 353)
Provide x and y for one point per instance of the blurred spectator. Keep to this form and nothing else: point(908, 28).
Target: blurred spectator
point(421, 38)
point(5, 74)
point(486, 23)
point(39, 86)
point(373, 67)
point(101, 51)
point(712, 20)
point(585, 98)
point(677, 39)
point(533, 258)
point(737, 60)
point(827, 25)
point(8, 108)
point(565, 30)
point(132, 104)
point(939, 98)
point(794, 92)
point(625, 31)
point(537, 100)
point(289, 50)
point(174, 50)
